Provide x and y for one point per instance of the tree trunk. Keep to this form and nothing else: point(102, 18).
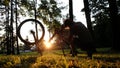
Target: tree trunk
point(11, 31)
point(87, 14)
point(71, 9)
point(115, 24)
point(16, 28)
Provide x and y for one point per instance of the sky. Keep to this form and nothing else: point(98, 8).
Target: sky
point(79, 16)
point(77, 6)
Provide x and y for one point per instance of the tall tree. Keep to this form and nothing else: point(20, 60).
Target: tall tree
point(48, 11)
point(101, 23)
point(87, 14)
point(5, 22)
point(115, 24)
point(71, 9)
point(106, 17)
point(16, 20)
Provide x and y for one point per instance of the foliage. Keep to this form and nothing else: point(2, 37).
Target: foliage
point(102, 23)
point(51, 60)
point(47, 11)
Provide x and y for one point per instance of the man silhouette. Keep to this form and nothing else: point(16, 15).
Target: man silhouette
point(80, 37)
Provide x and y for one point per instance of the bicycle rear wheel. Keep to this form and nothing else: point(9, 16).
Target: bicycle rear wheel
point(23, 31)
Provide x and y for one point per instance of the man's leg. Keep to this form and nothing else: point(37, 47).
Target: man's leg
point(73, 50)
point(90, 52)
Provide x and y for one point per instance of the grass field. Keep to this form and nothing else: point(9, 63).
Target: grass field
point(55, 59)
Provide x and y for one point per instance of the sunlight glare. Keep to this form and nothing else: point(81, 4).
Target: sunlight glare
point(48, 44)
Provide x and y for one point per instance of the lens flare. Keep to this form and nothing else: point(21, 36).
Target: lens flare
point(48, 44)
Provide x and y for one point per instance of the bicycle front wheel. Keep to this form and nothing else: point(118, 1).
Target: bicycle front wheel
point(25, 28)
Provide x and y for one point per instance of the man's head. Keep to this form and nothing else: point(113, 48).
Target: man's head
point(68, 22)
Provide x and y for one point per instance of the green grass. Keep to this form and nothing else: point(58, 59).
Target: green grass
point(55, 59)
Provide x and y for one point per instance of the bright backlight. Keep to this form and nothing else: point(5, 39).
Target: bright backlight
point(48, 44)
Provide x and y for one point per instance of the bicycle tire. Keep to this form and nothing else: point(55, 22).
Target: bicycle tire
point(27, 20)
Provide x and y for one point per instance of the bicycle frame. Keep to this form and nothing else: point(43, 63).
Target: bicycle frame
point(37, 41)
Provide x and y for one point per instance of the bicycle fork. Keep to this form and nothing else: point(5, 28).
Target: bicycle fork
point(37, 43)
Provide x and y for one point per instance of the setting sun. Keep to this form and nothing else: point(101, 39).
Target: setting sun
point(48, 44)
point(48, 41)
